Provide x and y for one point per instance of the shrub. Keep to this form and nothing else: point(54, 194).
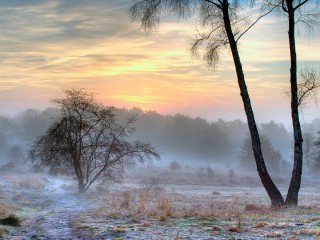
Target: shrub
point(35, 181)
point(126, 197)
point(154, 183)
point(11, 220)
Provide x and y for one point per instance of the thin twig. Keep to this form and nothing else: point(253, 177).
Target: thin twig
point(261, 16)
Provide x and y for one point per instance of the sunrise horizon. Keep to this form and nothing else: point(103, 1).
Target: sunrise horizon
point(97, 47)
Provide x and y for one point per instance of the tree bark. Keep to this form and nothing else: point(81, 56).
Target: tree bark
point(273, 192)
point(77, 169)
point(293, 191)
point(81, 187)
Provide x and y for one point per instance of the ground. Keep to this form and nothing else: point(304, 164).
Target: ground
point(50, 208)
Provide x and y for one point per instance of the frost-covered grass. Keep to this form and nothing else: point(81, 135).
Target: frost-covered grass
point(297, 223)
point(31, 181)
point(6, 210)
point(136, 210)
point(195, 213)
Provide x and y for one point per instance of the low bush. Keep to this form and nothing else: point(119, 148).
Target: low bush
point(11, 220)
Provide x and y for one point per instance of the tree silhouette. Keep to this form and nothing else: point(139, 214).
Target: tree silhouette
point(88, 141)
point(294, 10)
point(226, 27)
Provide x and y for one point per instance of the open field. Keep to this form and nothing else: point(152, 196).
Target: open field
point(51, 208)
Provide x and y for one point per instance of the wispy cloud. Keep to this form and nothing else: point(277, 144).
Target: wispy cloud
point(51, 45)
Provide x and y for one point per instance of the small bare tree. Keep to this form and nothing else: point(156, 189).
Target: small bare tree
point(88, 141)
point(174, 166)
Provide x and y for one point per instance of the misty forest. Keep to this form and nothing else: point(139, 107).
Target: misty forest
point(205, 179)
point(83, 169)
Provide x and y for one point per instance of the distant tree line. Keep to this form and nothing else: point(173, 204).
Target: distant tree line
point(18, 132)
point(178, 137)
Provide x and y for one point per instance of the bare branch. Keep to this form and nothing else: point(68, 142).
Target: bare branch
point(300, 4)
point(215, 4)
point(308, 87)
point(256, 21)
point(284, 6)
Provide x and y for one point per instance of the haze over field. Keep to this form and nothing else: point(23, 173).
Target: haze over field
point(178, 138)
point(47, 46)
point(114, 130)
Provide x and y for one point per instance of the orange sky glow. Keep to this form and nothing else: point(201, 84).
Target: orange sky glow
point(47, 46)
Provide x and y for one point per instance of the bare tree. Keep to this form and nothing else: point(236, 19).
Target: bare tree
point(226, 25)
point(294, 10)
point(174, 166)
point(88, 141)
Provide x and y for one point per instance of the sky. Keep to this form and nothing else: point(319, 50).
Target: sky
point(48, 46)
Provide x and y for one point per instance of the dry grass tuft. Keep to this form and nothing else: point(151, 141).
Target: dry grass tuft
point(126, 198)
point(5, 208)
point(255, 208)
point(163, 218)
point(3, 231)
point(234, 229)
point(165, 208)
point(310, 220)
point(216, 228)
point(315, 232)
point(141, 203)
point(6, 216)
point(275, 234)
point(35, 181)
point(261, 224)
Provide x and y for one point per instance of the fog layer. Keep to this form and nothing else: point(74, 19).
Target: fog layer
point(178, 138)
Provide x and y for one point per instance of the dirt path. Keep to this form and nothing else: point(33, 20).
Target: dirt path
point(48, 213)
